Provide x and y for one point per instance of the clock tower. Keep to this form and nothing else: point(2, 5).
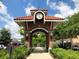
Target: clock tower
point(38, 21)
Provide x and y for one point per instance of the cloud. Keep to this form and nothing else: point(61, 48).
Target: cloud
point(76, 3)
point(47, 2)
point(13, 28)
point(63, 8)
point(3, 8)
point(59, 15)
point(10, 23)
point(28, 8)
point(3, 11)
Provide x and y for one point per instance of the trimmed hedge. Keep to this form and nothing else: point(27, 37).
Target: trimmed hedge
point(65, 54)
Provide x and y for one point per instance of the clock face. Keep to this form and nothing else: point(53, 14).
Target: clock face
point(39, 16)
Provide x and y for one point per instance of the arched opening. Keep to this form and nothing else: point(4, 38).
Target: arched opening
point(39, 40)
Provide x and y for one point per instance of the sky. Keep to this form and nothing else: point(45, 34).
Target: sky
point(9, 9)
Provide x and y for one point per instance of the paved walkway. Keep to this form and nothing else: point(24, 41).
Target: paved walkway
point(40, 56)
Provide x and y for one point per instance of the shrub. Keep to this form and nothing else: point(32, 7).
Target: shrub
point(20, 52)
point(4, 54)
point(65, 54)
point(55, 45)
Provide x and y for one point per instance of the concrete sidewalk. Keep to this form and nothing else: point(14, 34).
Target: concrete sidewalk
point(40, 56)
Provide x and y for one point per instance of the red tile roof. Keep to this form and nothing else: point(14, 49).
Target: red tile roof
point(24, 18)
point(53, 18)
point(31, 17)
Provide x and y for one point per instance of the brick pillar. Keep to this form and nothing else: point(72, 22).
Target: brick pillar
point(50, 41)
point(47, 41)
point(30, 40)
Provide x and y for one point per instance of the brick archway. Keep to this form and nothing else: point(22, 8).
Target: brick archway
point(41, 30)
point(39, 20)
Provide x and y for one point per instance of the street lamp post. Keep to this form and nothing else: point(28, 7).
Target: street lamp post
point(10, 50)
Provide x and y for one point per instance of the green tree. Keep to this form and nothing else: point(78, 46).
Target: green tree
point(39, 38)
point(68, 29)
point(21, 30)
point(5, 37)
